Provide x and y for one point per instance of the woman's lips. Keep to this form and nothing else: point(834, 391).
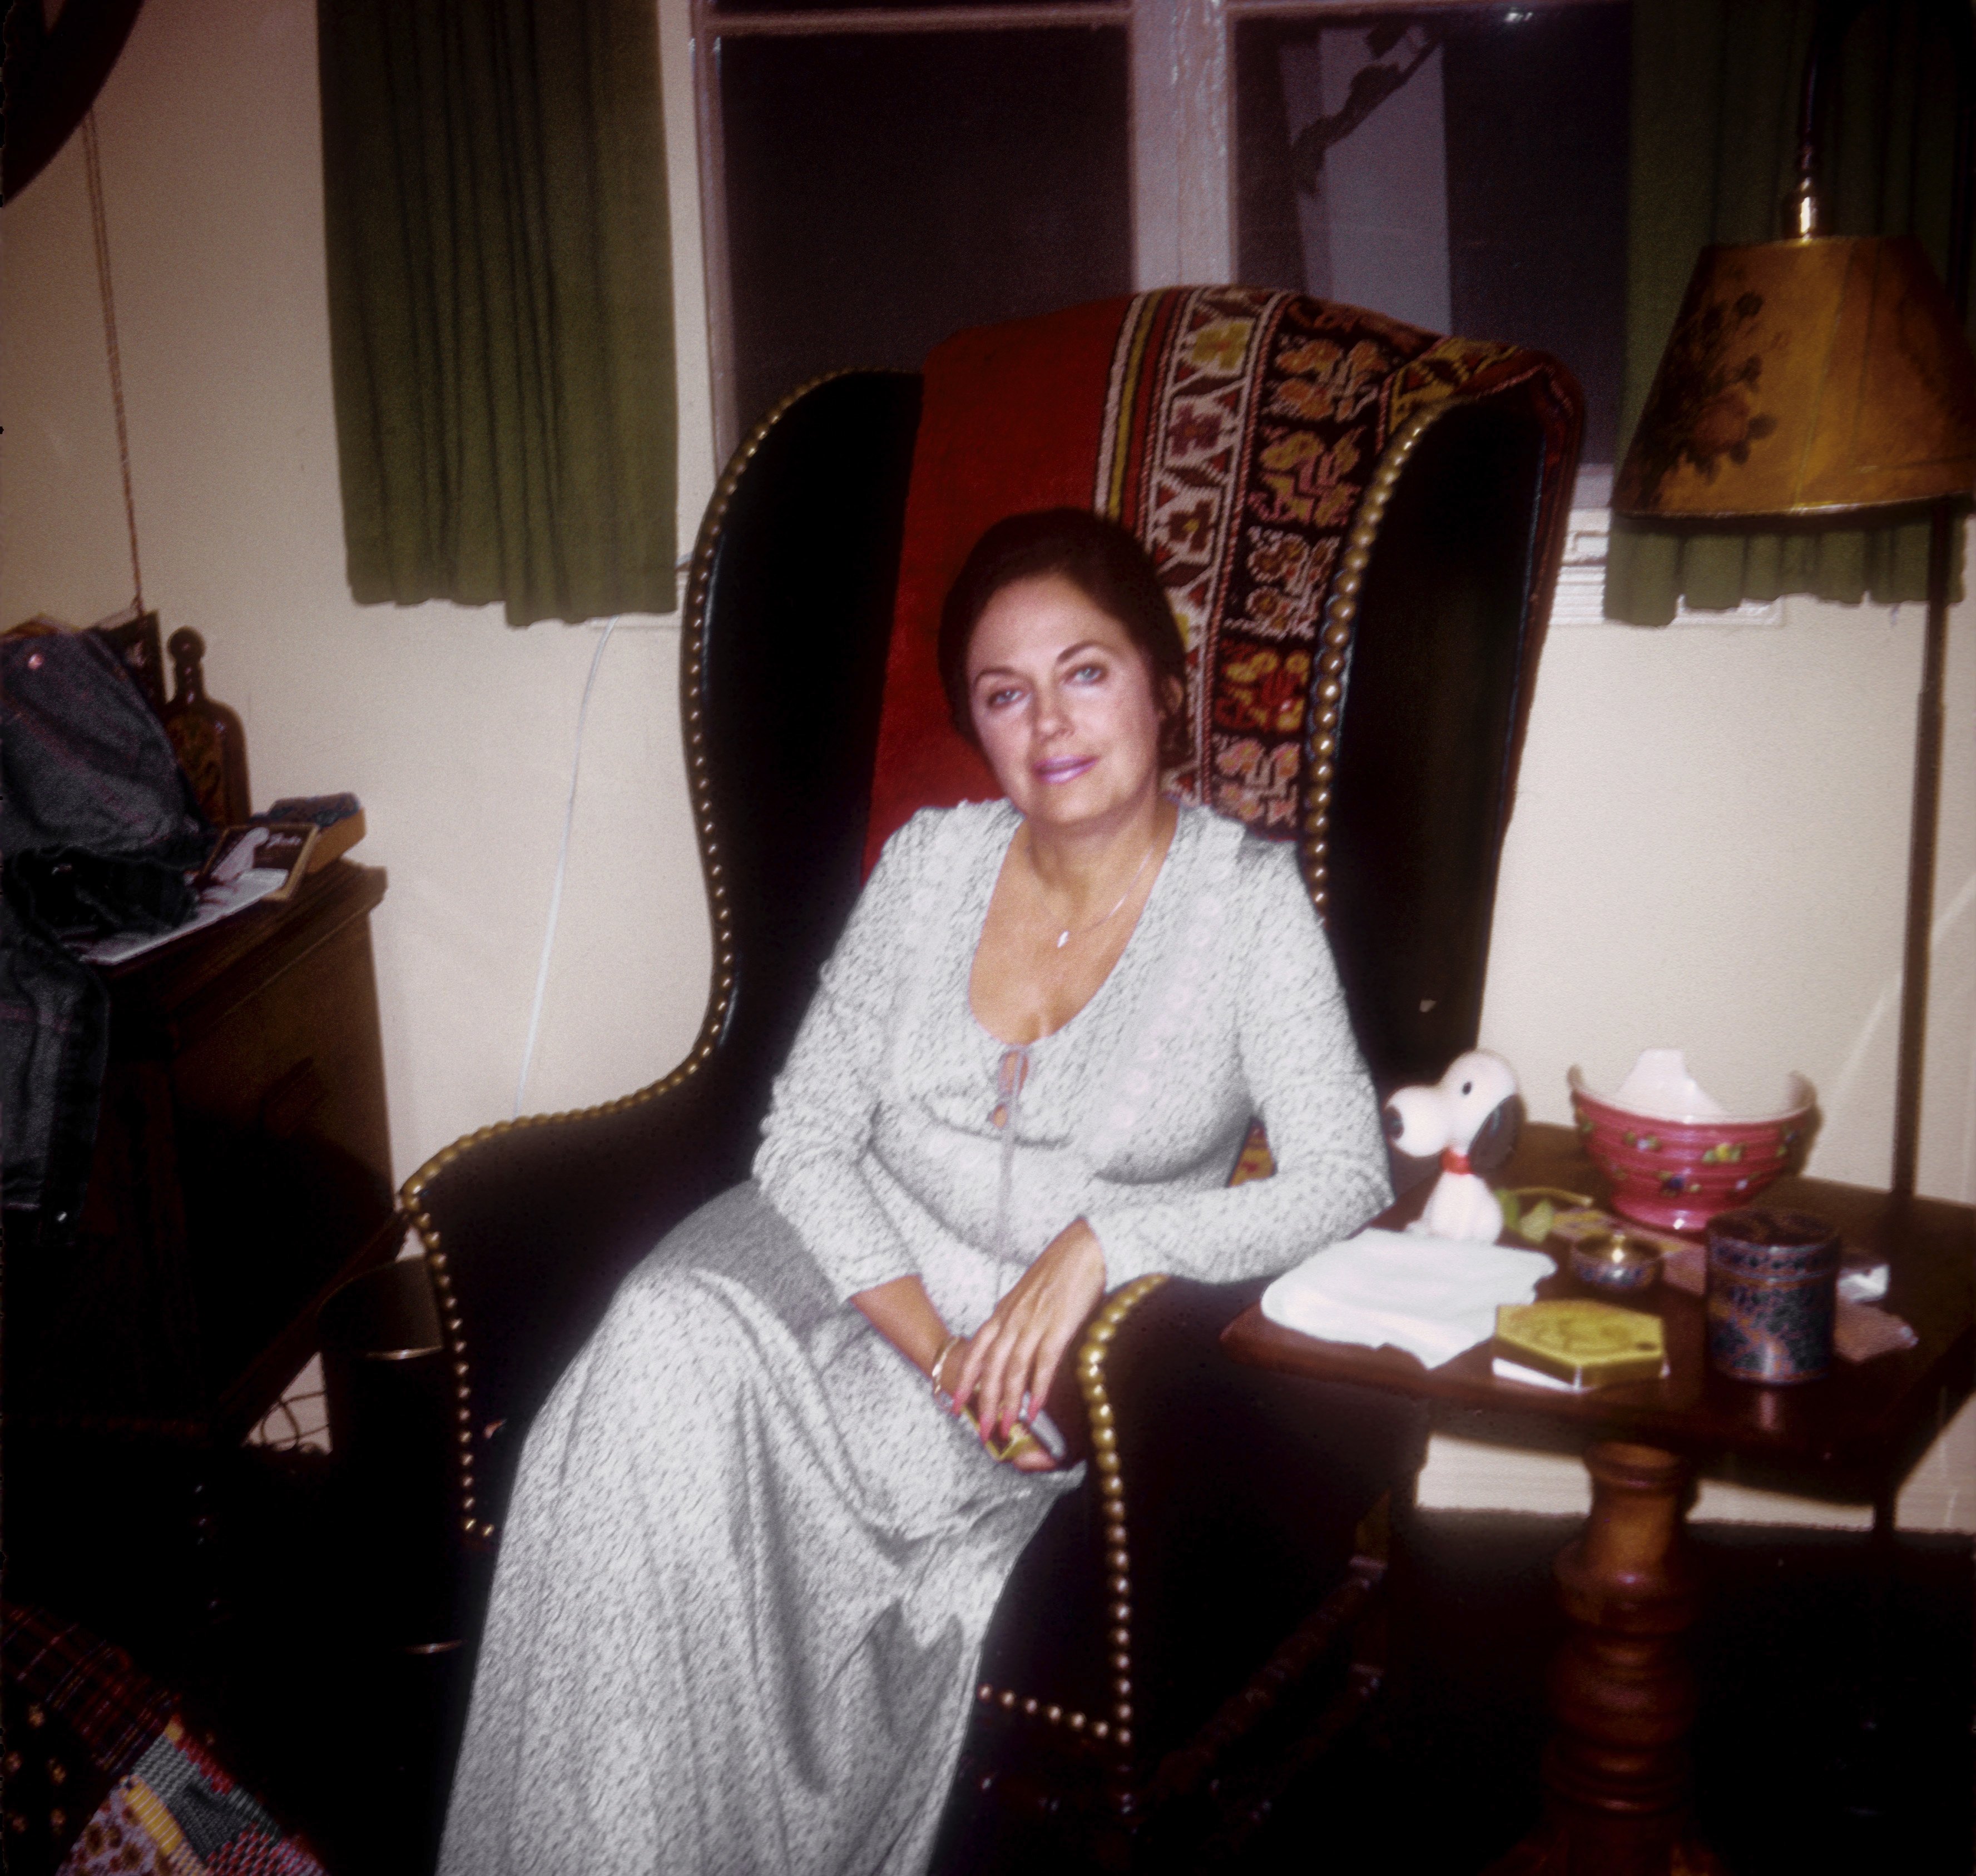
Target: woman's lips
point(1064, 768)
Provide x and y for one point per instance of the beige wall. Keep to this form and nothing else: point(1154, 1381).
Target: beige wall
point(456, 731)
point(1708, 850)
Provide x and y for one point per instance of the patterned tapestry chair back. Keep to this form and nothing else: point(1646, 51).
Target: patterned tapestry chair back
point(1255, 443)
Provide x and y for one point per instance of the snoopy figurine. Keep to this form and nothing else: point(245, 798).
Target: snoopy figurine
point(1470, 1117)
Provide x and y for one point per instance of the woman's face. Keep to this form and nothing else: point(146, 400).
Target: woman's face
point(1063, 704)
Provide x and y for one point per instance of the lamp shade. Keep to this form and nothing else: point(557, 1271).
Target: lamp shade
point(1809, 377)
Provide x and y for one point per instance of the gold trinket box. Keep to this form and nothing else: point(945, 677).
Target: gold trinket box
point(1585, 1343)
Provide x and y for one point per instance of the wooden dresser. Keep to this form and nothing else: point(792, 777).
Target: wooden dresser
point(242, 1170)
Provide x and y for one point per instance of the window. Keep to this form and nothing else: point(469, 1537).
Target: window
point(1464, 170)
point(876, 176)
point(882, 189)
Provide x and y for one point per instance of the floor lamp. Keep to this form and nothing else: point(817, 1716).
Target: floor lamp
point(1816, 380)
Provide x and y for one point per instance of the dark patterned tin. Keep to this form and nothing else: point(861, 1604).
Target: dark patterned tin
point(1773, 1278)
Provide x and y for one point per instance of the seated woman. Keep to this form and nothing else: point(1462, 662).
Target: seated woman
point(761, 1524)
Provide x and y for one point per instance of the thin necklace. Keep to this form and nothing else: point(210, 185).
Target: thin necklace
point(1065, 936)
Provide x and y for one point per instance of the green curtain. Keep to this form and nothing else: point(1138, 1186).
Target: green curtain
point(500, 299)
point(1716, 85)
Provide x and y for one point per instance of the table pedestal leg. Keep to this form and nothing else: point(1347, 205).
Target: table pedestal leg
point(1616, 1772)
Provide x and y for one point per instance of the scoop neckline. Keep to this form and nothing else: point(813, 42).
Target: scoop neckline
point(1182, 820)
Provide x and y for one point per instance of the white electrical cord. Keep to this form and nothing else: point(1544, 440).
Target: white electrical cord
point(562, 867)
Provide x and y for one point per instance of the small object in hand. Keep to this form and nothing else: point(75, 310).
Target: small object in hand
point(1586, 1345)
point(1616, 1260)
point(1040, 1431)
point(1772, 1277)
point(1044, 1430)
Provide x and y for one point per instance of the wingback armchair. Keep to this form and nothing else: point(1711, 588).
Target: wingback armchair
point(1359, 524)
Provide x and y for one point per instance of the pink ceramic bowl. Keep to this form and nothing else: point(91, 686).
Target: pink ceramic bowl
point(1678, 1174)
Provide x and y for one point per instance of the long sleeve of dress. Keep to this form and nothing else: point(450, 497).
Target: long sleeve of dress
point(813, 1163)
point(1306, 1081)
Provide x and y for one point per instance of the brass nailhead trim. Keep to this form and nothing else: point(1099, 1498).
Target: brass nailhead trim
point(1010, 1701)
point(1341, 615)
point(1102, 1419)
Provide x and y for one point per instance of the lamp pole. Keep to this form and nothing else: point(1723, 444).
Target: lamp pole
point(1924, 818)
point(1944, 517)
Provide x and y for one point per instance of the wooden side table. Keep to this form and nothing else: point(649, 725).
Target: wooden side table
point(242, 1170)
point(1616, 1774)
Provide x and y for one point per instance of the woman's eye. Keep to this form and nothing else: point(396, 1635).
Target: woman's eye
point(1002, 695)
point(1092, 674)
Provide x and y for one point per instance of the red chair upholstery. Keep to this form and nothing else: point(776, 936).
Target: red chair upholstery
point(1238, 433)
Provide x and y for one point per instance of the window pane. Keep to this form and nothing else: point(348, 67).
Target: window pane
point(1464, 168)
point(884, 191)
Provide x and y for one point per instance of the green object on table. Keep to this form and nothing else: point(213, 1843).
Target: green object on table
point(1588, 1345)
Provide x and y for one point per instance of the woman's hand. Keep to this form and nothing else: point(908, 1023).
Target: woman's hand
point(1017, 1350)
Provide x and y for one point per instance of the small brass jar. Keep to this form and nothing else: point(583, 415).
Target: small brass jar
point(1616, 1260)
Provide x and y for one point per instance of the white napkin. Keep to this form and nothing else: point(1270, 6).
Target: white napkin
point(1863, 1282)
point(1431, 1296)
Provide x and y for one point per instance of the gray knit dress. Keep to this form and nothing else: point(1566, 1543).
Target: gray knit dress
point(749, 1565)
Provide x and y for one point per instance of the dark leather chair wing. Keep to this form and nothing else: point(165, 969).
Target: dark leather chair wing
point(1444, 657)
point(529, 1226)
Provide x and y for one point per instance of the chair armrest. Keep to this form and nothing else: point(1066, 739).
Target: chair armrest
point(1227, 1498)
point(530, 1226)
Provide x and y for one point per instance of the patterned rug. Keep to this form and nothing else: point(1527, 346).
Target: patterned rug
point(103, 1777)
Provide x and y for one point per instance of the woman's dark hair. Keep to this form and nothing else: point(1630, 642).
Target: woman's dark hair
point(1106, 564)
